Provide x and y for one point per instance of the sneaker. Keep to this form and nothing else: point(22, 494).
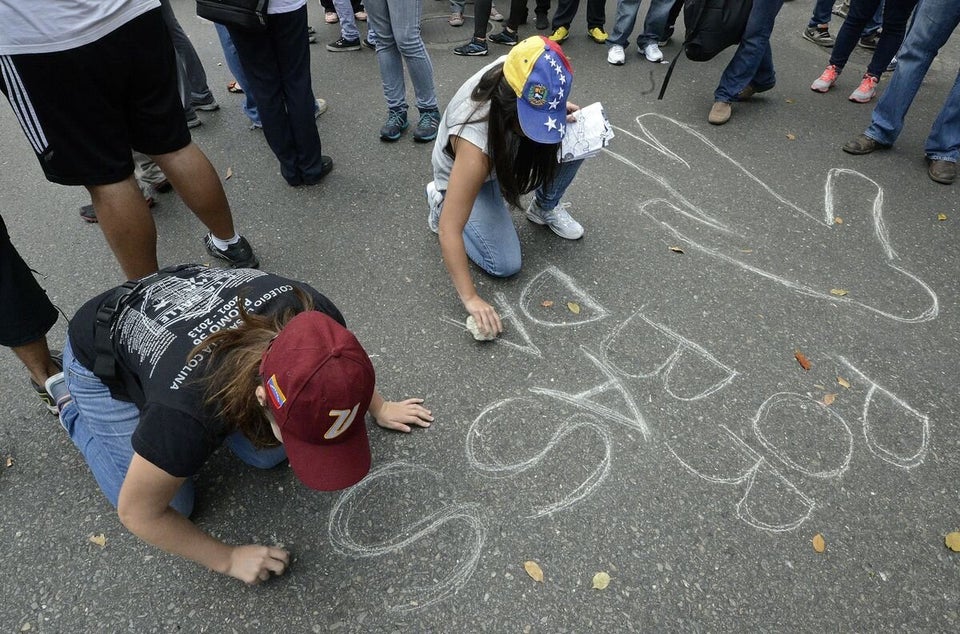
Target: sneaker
point(495, 15)
point(504, 37)
point(557, 219)
point(819, 35)
point(331, 17)
point(542, 22)
point(826, 80)
point(455, 19)
point(435, 202)
point(194, 122)
point(560, 35)
point(48, 399)
point(239, 255)
point(56, 390)
point(473, 48)
point(343, 44)
point(892, 66)
point(427, 126)
point(311, 30)
point(866, 90)
point(841, 8)
point(598, 35)
point(652, 52)
point(394, 126)
point(616, 55)
point(311, 38)
point(320, 108)
point(208, 104)
point(869, 42)
point(367, 43)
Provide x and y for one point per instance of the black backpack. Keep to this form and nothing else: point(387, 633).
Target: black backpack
point(712, 25)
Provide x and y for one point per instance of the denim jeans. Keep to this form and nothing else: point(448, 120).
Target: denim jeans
point(236, 68)
point(489, 236)
point(567, 9)
point(933, 23)
point(277, 67)
point(101, 427)
point(190, 74)
point(654, 24)
point(895, 16)
point(348, 23)
point(752, 63)
point(397, 25)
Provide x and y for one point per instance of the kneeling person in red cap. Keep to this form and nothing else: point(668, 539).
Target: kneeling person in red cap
point(164, 370)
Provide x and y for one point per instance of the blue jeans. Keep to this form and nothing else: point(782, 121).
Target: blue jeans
point(752, 63)
point(489, 236)
point(397, 25)
point(654, 24)
point(822, 13)
point(236, 68)
point(348, 23)
point(101, 427)
point(895, 16)
point(277, 67)
point(933, 23)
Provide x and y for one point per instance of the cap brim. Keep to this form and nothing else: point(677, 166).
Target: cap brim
point(533, 122)
point(331, 466)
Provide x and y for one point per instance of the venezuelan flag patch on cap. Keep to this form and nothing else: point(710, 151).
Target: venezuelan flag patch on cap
point(276, 394)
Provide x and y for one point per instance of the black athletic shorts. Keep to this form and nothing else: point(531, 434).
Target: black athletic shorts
point(83, 109)
point(26, 313)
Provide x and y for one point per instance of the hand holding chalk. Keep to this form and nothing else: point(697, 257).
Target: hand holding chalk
point(478, 334)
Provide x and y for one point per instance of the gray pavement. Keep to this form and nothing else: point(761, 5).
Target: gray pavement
point(665, 434)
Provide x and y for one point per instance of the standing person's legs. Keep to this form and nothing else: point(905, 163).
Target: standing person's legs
point(655, 23)
point(626, 19)
point(405, 15)
point(566, 11)
point(596, 14)
point(127, 224)
point(859, 14)
point(944, 139)
point(896, 14)
point(196, 77)
point(348, 23)
point(481, 17)
point(821, 13)
point(379, 15)
point(752, 62)
point(489, 236)
point(236, 68)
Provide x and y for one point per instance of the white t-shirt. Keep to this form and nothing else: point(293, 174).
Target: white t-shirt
point(49, 26)
point(466, 119)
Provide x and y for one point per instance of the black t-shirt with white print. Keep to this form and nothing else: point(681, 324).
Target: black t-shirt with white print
point(153, 336)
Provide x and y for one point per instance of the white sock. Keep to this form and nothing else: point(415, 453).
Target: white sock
point(224, 244)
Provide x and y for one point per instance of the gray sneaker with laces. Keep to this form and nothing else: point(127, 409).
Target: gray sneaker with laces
point(559, 221)
point(435, 202)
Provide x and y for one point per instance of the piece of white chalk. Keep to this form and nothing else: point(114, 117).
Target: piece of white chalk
point(476, 332)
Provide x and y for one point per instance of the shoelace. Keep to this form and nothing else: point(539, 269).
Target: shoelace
point(427, 119)
point(559, 214)
point(396, 118)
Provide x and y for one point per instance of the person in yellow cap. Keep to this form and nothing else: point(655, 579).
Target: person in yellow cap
point(499, 138)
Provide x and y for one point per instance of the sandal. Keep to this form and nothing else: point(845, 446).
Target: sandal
point(234, 87)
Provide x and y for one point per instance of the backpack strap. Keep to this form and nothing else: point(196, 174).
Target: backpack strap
point(690, 30)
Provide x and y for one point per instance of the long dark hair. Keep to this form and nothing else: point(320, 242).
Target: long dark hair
point(233, 369)
point(521, 164)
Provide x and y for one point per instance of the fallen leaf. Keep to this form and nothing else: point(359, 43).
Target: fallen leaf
point(839, 292)
point(229, 174)
point(941, 217)
point(746, 250)
point(676, 249)
point(842, 381)
point(546, 303)
point(801, 359)
point(8, 462)
point(791, 137)
point(533, 570)
point(574, 307)
point(100, 540)
point(600, 581)
point(953, 541)
point(818, 544)
point(837, 220)
point(828, 399)
point(789, 100)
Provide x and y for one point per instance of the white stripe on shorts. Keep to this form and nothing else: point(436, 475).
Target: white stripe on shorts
point(22, 106)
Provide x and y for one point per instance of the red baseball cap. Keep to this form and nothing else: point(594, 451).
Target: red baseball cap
point(319, 382)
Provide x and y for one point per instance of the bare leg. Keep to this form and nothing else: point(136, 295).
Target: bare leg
point(35, 356)
point(198, 184)
point(127, 225)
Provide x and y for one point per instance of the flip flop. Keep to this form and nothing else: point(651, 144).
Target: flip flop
point(234, 87)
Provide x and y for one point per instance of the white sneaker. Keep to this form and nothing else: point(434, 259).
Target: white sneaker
point(615, 55)
point(435, 202)
point(652, 52)
point(557, 219)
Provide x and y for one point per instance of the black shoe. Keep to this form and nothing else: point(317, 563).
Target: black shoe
point(368, 44)
point(473, 48)
point(239, 255)
point(326, 166)
point(869, 42)
point(542, 21)
point(504, 37)
point(208, 104)
point(344, 45)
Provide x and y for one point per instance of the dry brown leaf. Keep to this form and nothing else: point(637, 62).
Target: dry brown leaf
point(546, 303)
point(941, 217)
point(843, 382)
point(573, 307)
point(533, 569)
point(828, 399)
point(100, 540)
point(839, 292)
point(819, 544)
point(746, 250)
point(791, 137)
point(229, 174)
point(8, 462)
point(952, 541)
point(837, 220)
point(676, 249)
point(789, 100)
point(802, 360)
point(600, 581)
